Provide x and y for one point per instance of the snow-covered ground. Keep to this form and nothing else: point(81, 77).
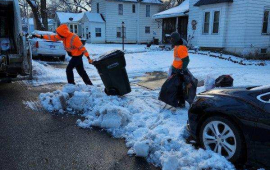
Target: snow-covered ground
point(159, 135)
point(140, 60)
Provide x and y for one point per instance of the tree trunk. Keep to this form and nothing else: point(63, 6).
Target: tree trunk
point(44, 14)
point(34, 7)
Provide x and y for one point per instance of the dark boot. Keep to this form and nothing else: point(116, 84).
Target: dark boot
point(69, 71)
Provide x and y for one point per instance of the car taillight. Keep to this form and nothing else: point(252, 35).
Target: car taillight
point(37, 44)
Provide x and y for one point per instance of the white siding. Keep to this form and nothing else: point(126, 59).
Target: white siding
point(92, 29)
point(113, 20)
point(207, 40)
point(240, 26)
point(102, 7)
point(155, 27)
point(135, 23)
point(93, 26)
point(236, 24)
point(254, 21)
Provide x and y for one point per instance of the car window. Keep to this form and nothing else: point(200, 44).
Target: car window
point(265, 98)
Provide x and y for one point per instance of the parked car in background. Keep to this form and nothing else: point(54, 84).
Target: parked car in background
point(44, 49)
point(234, 122)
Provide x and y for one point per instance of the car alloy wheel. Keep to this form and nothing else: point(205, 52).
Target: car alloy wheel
point(220, 138)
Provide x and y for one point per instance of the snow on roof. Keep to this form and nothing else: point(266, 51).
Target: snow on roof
point(207, 2)
point(144, 1)
point(94, 17)
point(64, 17)
point(152, 1)
point(180, 10)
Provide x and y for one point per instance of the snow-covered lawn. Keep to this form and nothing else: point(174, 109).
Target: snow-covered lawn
point(159, 135)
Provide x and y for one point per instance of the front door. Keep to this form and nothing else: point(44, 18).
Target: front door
point(168, 27)
point(183, 26)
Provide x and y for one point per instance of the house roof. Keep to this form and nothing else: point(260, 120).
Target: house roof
point(207, 2)
point(94, 17)
point(177, 11)
point(64, 17)
point(143, 1)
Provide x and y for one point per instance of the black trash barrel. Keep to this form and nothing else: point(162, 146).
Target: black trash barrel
point(112, 70)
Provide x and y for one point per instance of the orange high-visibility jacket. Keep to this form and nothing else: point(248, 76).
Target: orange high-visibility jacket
point(71, 41)
point(180, 52)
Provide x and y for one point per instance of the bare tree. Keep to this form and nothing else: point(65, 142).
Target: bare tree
point(44, 15)
point(171, 3)
point(75, 5)
point(35, 9)
point(47, 9)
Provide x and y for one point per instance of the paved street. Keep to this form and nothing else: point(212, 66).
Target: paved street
point(38, 140)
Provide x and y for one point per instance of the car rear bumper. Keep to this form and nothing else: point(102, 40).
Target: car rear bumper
point(49, 55)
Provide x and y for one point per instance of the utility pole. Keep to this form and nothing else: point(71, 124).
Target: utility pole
point(123, 36)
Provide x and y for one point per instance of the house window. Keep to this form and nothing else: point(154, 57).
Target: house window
point(71, 28)
point(147, 30)
point(206, 22)
point(120, 9)
point(97, 7)
point(119, 32)
point(87, 33)
point(265, 22)
point(98, 32)
point(133, 8)
point(76, 29)
point(216, 22)
point(147, 10)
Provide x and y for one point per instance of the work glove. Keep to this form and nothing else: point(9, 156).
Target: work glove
point(90, 61)
point(37, 36)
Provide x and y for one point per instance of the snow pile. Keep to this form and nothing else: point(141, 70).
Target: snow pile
point(46, 74)
point(160, 137)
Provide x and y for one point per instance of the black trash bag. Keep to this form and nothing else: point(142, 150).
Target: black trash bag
point(224, 81)
point(190, 92)
point(169, 91)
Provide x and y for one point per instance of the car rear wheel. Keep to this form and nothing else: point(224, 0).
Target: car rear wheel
point(220, 135)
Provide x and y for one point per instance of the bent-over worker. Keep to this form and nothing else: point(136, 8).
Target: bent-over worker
point(75, 50)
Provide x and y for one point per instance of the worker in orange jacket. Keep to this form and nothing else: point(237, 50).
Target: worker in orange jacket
point(180, 63)
point(75, 49)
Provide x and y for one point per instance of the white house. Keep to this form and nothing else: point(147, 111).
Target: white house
point(73, 20)
point(93, 28)
point(140, 27)
point(237, 26)
point(174, 20)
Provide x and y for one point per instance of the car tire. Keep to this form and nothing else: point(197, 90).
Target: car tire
point(235, 141)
